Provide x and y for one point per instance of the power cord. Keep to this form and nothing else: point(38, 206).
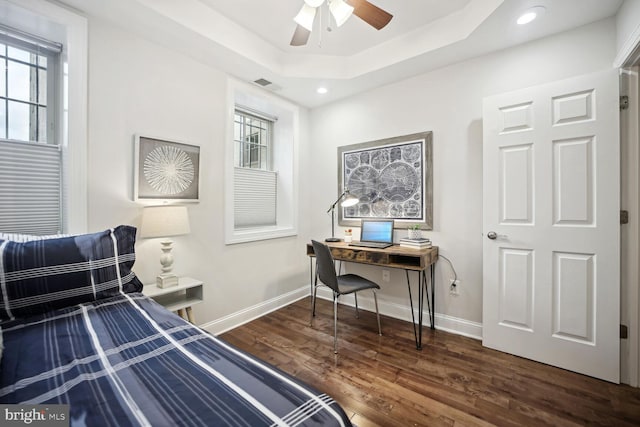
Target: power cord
point(455, 275)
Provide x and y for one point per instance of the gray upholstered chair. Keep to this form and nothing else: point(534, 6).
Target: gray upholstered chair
point(340, 285)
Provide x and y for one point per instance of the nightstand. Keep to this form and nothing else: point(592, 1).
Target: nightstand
point(181, 297)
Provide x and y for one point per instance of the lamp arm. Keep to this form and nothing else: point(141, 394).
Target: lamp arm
point(333, 206)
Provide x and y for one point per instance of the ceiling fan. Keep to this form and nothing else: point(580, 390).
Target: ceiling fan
point(341, 11)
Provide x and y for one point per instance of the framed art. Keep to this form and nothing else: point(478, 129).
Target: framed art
point(392, 178)
point(165, 170)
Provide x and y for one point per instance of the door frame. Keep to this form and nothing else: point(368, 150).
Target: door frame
point(628, 61)
point(630, 233)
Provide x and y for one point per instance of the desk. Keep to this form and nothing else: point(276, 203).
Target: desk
point(407, 259)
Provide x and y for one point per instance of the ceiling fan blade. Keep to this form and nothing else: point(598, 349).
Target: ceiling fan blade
point(300, 36)
point(371, 14)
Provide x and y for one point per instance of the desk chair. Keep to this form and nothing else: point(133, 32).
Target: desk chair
point(340, 285)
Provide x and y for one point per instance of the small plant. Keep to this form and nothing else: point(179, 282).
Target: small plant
point(414, 231)
point(347, 232)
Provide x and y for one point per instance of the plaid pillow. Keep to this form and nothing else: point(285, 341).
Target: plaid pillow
point(42, 275)
point(18, 237)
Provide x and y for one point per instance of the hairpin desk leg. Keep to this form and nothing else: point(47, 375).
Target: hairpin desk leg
point(433, 296)
point(413, 317)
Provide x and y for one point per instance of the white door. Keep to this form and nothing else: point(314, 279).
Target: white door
point(551, 189)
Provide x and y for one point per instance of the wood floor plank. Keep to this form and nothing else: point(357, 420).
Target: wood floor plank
point(453, 381)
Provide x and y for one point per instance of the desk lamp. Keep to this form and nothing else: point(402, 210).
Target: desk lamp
point(349, 200)
point(165, 221)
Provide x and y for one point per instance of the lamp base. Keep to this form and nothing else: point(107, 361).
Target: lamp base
point(333, 239)
point(166, 280)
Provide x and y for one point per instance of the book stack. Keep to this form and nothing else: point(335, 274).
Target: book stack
point(421, 243)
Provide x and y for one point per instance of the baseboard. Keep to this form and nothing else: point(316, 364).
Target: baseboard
point(398, 311)
point(403, 312)
point(241, 317)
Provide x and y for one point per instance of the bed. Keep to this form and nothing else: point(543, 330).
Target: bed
point(77, 331)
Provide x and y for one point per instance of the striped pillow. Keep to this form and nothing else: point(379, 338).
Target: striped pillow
point(18, 237)
point(41, 275)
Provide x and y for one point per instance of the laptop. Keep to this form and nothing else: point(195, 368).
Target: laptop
point(375, 233)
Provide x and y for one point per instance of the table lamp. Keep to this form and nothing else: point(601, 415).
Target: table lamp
point(165, 221)
point(349, 200)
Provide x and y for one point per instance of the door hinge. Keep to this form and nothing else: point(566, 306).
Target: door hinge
point(624, 217)
point(624, 102)
point(624, 332)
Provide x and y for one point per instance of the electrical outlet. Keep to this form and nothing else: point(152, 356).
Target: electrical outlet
point(386, 275)
point(453, 287)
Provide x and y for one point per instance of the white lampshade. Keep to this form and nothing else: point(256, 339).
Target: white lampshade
point(164, 221)
point(314, 3)
point(349, 200)
point(305, 17)
point(340, 11)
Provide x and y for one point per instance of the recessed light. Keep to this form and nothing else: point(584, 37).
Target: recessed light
point(322, 90)
point(530, 14)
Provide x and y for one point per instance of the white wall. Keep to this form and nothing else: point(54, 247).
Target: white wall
point(448, 102)
point(136, 86)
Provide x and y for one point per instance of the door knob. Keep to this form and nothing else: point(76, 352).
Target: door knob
point(492, 235)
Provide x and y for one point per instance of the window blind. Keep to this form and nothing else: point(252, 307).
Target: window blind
point(255, 194)
point(15, 37)
point(30, 176)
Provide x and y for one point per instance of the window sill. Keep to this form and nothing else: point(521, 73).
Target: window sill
point(259, 233)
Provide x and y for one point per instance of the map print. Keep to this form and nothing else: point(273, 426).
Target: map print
point(387, 180)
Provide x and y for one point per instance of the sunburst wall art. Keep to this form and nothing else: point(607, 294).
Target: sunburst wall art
point(166, 170)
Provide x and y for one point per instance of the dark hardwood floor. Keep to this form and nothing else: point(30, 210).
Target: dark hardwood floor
point(453, 381)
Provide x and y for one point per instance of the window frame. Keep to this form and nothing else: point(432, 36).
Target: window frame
point(284, 152)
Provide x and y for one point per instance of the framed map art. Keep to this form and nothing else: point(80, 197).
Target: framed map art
point(165, 170)
point(391, 177)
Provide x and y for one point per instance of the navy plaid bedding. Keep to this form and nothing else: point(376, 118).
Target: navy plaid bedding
point(48, 273)
point(125, 361)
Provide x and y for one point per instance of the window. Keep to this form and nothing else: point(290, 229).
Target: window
point(255, 189)
point(28, 82)
point(260, 173)
point(56, 127)
point(252, 136)
point(30, 152)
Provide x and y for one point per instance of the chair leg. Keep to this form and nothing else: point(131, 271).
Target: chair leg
point(375, 298)
point(335, 323)
point(313, 304)
point(313, 297)
point(355, 295)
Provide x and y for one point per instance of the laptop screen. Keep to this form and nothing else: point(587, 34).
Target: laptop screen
point(377, 230)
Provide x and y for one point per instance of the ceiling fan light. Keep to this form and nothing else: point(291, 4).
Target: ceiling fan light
point(340, 11)
point(305, 17)
point(314, 3)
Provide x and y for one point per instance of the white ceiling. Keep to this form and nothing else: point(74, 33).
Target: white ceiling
point(250, 38)
point(273, 21)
